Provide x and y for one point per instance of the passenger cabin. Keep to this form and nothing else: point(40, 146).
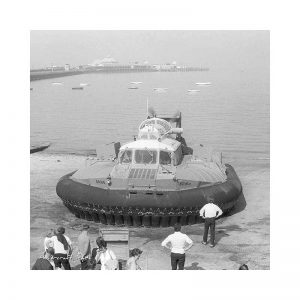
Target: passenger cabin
point(156, 145)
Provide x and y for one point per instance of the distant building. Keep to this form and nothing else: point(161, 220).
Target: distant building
point(156, 67)
point(55, 68)
point(67, 67)
point(107, 61)
point(166, 67)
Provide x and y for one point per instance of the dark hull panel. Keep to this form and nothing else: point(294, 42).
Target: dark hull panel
point(159, 209)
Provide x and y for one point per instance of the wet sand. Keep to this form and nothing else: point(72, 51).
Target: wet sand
point(241, 237)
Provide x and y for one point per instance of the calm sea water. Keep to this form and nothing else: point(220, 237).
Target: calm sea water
point(231, 115)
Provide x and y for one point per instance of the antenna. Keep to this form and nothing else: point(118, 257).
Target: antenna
point(147, 107)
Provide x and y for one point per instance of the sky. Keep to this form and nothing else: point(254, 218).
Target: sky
point(191, 48)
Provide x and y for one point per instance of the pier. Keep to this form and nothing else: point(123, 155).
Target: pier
point(46, 73)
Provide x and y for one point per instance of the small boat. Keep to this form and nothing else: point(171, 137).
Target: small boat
point(193, 91)
point(38, 148)
point(84, 84)
point(77, 88)
point(57, 83)
point(203, 83)
point(160, 90)
point(133, 87)
point(136, 82)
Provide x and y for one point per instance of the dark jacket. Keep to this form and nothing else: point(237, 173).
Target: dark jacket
point(42, 264)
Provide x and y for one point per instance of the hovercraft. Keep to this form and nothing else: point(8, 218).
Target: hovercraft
point(154, 181)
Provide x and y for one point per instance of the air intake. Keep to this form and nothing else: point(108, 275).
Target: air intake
point(142, 173)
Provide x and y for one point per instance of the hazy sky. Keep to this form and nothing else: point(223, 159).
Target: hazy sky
point(219, 49)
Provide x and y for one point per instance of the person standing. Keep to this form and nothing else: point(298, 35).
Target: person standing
point(106, 257)
point(96, 253)
point(132, 262)
point(84, 246)
point(210, 212)
point(179, 244)
point(63, 249)
point(47, 241)
point(44, 263)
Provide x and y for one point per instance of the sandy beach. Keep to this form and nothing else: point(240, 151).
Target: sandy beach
point(241, 237)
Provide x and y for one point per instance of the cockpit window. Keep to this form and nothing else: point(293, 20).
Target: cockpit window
point(164, 158)
point(126, 157)
point(145, 156)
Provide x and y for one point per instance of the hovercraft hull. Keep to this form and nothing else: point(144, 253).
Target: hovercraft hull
point(144, 208)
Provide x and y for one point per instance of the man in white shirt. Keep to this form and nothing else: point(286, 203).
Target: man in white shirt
point(179, 244)
point(210, 212)
point(63, 249)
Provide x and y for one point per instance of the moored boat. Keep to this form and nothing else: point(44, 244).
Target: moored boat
point(38, 148)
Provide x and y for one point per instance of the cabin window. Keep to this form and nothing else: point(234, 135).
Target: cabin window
point(177, 158)
point(164, 158)
point(145, 156)
point(126, 157)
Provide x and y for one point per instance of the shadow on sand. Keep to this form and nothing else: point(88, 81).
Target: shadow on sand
point(224, 230)
point(194, 266)
point(240, 206)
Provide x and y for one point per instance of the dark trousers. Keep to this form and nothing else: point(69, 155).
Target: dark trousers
point(85, 263)
point(177, 260)
point(61, 259)
point(209, 223)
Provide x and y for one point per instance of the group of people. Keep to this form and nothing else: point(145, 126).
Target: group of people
point(58, 250)
point(58, 247)
point(179, 242)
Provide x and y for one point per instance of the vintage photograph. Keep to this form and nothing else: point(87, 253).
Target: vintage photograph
point(149, 150)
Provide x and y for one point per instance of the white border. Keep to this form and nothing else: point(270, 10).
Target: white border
point(281, 18)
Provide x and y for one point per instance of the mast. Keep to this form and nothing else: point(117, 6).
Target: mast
point(147, 108)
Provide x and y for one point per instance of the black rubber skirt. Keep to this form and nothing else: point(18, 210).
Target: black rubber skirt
point(114, 207)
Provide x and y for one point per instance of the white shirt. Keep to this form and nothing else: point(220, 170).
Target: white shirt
point(58, 246)
point(178, 241)
point(210, 210)
point(105, 257)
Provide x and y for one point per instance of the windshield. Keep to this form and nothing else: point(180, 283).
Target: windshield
point(145, 156)
point(164, 158)
point(126, 157)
